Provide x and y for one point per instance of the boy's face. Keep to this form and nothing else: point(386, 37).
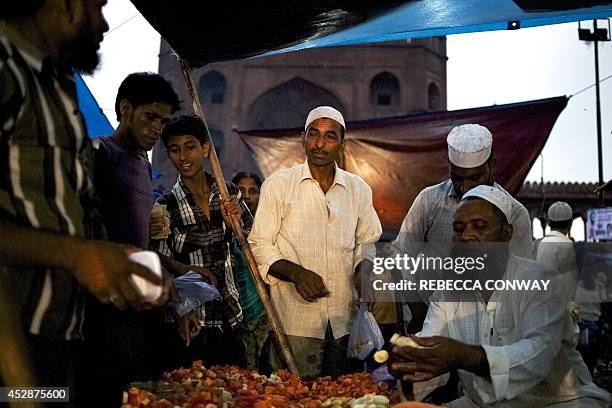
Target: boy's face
point(187, 154)
point(145, 122)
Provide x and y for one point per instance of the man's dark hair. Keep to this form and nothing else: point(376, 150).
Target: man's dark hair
point(560, 224)
point(19, 9)
point(185, 125)
point(244, 174)
point(142, 88)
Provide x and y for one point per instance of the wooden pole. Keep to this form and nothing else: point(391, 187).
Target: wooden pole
point(277, 329)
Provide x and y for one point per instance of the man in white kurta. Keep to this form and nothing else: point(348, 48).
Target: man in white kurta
point(315, 224)
point(471, 163)
point(506, 345)
point(427, 225)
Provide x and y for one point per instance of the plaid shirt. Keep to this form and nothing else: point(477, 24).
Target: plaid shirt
point(45, 163)
point(195, 240)
point(327, 233)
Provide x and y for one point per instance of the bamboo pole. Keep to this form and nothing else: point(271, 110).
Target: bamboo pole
point(277, 329)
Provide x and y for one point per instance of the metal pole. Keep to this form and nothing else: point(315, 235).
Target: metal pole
point(598, 110)
point(277, 329)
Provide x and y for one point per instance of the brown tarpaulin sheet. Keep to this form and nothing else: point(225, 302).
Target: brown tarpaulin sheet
point(400, 156)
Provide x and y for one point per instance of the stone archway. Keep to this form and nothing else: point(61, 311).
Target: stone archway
point(287, 105)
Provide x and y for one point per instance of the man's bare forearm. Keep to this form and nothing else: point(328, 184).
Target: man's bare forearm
point(285, 270)
point(174, 267)
point(24, 246)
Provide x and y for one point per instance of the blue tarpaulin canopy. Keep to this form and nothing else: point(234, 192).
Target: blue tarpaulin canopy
point(429, 18)
point(97, 123)
point(237, 30)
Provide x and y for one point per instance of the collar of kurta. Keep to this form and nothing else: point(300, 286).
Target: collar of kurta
point(557, 234)
point(339, 177)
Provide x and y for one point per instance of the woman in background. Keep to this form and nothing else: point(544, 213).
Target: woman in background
point(256, 327)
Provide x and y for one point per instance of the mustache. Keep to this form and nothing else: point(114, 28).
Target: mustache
point(318, 151)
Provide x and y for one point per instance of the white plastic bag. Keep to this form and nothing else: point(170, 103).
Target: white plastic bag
point(365, 335)
point(193, 292)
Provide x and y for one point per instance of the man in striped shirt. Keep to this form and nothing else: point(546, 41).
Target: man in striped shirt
point(48, 220)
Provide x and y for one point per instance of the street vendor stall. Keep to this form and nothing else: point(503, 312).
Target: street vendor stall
point(232, 32)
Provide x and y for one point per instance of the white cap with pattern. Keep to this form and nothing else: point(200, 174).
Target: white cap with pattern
point(469, 145)
point(324, 112)
point(493, 195)
point(560, 211)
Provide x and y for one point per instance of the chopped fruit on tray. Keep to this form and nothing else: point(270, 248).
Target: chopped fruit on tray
point(231, 386)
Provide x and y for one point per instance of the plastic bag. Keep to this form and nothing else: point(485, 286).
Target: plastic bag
point(365, 335)
point(193, 292)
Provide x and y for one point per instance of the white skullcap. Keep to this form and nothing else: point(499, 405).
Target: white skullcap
point(493, 195)
point(469, 145)
point(324, 112)
point(560, 211)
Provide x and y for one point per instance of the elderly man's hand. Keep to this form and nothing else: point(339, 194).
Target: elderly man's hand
point(437, 355)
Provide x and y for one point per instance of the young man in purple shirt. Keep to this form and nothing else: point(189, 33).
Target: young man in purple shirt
point(118, 344)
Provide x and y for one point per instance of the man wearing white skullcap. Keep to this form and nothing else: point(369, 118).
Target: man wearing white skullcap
point(315, 225)
point(428, 224)
point(556, 252)
point(505, 344)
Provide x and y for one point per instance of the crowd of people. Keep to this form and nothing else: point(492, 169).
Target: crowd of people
point(72, 210)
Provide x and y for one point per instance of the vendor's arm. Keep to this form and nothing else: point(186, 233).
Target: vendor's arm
point(101, 267)
point(438, 356)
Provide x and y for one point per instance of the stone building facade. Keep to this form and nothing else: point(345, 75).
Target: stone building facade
point(362, 81)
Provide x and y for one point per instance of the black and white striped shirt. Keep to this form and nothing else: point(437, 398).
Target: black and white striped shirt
point(45, 159)
point(196, 240)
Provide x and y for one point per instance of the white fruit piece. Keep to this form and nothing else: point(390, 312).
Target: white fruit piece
point(381, 356)
point(402, 341)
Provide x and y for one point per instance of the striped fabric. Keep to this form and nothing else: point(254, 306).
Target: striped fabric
point(195, 240)
point(45, 156)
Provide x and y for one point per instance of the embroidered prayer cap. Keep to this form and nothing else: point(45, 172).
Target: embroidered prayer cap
point(560, 211)
point(324, 112)
point(493, 195)
point(469, 145)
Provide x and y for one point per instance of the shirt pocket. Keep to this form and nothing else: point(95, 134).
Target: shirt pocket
point(502, 335)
